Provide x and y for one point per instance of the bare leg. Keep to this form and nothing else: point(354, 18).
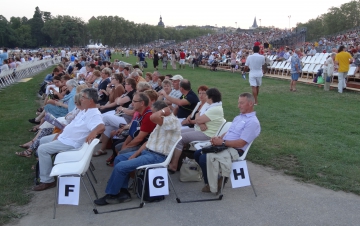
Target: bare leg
point(175, 159)
point(294, 85)
point(39, 117)
point(104, 141)
point(254, 91)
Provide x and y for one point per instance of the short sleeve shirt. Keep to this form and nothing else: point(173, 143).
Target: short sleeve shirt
point(185, 111)
point(76, 132)
point(146, 124)
point(343, 59)
point(216, 116)
point(255, 63)
point(245, 127)
point(295, 60)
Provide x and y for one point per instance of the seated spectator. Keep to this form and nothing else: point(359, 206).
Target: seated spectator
point(186, 103)
point(142, 86)
point(123, 116)
point(155, 150)
point(46, 130)
point(159, 81)
point(190, 120)
point(97, 76)
point(105, 75)
point(84, 128)
point(62, 107)
point(154, 80)
point(208, 120)
point(166, 86)
point(244, 129)
point(148, 76)
point(312, 51)
point(114, 90)
point(142, 114)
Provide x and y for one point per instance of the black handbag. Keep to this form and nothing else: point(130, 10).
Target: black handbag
point(213, 149)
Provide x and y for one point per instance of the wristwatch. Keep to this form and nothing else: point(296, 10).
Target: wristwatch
point(223, 143)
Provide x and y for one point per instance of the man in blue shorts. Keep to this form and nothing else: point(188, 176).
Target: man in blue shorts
point(295, 69)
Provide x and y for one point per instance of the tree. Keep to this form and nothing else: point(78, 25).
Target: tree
point(36, 25)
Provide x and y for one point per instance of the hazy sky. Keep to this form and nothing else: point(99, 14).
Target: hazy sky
point(184, 12)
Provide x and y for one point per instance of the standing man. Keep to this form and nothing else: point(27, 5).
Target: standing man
point(254, 63)
point(295, 69)
point(84, 128)
point(343, 60)
point(182, 59)
point(141, 58)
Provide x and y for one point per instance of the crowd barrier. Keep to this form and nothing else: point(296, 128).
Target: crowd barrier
point(26, 69)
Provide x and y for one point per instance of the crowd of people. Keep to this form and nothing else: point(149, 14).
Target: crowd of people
point(143, 115)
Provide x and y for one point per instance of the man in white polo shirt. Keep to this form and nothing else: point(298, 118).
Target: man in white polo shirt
point(255, 62)
point(85, 127)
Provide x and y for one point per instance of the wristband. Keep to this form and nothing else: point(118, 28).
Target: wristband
point(163, 111)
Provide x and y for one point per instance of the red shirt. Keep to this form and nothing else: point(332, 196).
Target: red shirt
point(182, 55)
point(146, 124)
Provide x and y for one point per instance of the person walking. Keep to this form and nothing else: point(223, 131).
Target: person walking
point(343, 60)
point(295, 69)
point(254, 63)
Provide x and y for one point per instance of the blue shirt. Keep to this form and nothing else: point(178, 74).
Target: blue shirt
point(48, 78)
point(3, 56)
point(245, 127)
point(141, 56)
point(295, 60)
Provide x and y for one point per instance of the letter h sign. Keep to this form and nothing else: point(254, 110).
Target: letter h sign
point(239, 174)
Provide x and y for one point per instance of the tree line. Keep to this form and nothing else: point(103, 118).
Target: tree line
point(337, 19)
point(44, 30)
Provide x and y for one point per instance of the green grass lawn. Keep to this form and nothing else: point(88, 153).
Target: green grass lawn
point(311, 134)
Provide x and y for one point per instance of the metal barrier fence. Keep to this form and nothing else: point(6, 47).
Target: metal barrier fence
point(28, 69)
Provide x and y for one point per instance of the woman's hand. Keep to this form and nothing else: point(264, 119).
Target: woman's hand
point(53, 102)
point(203, 127)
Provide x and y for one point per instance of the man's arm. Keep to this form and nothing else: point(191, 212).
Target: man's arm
point(158, 117)
point(138, 152)
point(179, 102)
point(136, 141)
point(98, 130)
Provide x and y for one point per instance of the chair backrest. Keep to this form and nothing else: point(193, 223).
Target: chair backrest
point(311, 67)
point(88, 154)
point(316, 68)
point(306, 67)
point(169, 156)
point(245, 152)
point(351, 71)
point(220, 127)
point(304, 59)
point(225, 128)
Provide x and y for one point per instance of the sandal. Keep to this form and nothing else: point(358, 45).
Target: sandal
point(26, 146)
point(110, 159)
point(27, 153)
point(40, 110)
point(99, 152)
point(34, 130)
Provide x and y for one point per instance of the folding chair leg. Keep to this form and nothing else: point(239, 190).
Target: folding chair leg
point(252, 186)
point(87, 191)
point(96, 195)
point(173, 187)
point(56, 196)
point(92, 174)
point(92, 167)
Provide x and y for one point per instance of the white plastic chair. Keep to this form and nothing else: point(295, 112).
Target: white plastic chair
point(75, 169)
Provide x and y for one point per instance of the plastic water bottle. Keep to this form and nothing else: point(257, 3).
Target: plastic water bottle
point(244, 76)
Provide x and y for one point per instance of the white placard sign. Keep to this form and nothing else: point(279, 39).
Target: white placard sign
point(158, 182)
point(239, 174)
point(69, 190)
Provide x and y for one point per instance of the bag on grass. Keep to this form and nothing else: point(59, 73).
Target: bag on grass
point(190, 171)
point(140, 183)
point(320, 80)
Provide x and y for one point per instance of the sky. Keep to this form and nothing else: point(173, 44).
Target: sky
point(215, 13)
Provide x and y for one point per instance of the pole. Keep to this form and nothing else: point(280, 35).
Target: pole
point(289, 21)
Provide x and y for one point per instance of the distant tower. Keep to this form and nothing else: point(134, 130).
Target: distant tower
point(254, 26)
point(161, 24)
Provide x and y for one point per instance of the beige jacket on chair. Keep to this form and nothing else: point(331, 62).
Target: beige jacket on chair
point(219, 162)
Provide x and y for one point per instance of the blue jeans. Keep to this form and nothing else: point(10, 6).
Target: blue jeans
point(201, 160)
point(123, 166)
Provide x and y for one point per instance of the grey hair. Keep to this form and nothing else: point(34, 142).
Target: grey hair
point(72, 82)
point(116, 63)
point(166, 82)
point(142, 86)
point(107, 71)
point(91, 94)
point(144, 97)
point(158, 105)
point(332, 54)
point(134, 74)
point(249, 97)
point(297, 50)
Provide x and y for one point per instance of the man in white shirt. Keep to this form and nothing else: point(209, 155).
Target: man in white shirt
point(84, 128)
point(255, 62)
point(63, 53)
point(312, 51)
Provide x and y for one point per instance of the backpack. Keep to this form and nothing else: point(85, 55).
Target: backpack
point(140, 183)
point(145, 64)
point(134, 129)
